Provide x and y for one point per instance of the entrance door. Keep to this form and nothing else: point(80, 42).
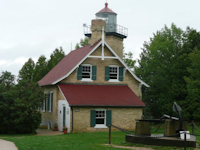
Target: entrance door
point(64, 112)
point(63, 115)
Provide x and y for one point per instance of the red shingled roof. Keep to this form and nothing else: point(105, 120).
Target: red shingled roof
point(106, 10)
point(100, 95)
point(66, 65)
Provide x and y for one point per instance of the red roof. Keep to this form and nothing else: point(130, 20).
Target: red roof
point(100, 95)
point(106, 10)
point(66, 65)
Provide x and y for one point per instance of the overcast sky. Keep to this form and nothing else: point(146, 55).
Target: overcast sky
point(30, 28)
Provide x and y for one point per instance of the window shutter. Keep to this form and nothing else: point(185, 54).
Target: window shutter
point(121, 73)
point(48, 101)
point(107, 70)
point(79, 73)
point(108, 117)
point(94, 72)
point(92, 118)
point(51, 101)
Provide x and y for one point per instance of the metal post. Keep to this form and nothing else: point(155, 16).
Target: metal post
point(185, 140)
point(192, 127)
point(110, 134)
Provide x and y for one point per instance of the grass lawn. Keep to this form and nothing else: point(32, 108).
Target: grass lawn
point(76, 141)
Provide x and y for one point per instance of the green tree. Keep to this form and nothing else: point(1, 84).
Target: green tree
point(158, 66)
point(7, 79)
point(83, 42)
point(128, 59)
point(55, 58)
point(40, 68)
point(27, 71)
point(19, 108)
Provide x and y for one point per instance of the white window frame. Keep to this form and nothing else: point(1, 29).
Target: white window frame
point(44, 103)
point(87, 79)
point(114, 80)
point(50, 101)
point(101, 125)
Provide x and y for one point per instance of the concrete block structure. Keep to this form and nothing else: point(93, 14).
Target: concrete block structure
point(92, 87)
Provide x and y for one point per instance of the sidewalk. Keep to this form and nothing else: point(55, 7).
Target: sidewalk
point(7, 145)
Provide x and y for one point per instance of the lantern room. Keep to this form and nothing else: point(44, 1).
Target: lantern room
point(112, 28)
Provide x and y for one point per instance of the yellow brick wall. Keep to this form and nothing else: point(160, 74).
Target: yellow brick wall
point(128, 78)
point(121, 117)
point(51, 117)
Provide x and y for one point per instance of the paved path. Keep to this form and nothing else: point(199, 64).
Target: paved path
point(7, 145)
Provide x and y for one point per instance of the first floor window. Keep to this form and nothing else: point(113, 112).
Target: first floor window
point(50, 101)
point(100, 118)
point(44, 103)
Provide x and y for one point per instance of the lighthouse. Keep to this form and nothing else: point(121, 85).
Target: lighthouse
point(114, 33)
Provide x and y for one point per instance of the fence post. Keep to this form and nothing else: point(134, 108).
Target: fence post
point(192, 127)
point(185, 140)
point(109, 134)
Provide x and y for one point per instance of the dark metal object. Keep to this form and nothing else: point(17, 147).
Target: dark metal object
point(177, 108)
point(110, 134)
point(185, 140)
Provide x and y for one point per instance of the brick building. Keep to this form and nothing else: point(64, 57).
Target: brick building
point(92, 87)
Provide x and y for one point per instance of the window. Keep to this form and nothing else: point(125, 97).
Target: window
point(114, 73)
point(86, 72)
point(44, 103)
point(100, 118)
point(50, 101)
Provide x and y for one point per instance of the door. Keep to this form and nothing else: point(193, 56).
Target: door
point(64, 117)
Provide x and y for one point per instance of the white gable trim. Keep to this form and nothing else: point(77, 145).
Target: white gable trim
point(77, 64)
point(88, 55)
point(138, 79)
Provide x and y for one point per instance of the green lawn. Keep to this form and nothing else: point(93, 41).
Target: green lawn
point(75, 141)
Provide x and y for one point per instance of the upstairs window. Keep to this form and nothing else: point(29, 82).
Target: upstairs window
point(114, 73)
point(86, 72)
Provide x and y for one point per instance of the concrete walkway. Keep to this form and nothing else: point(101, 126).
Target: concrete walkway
point(7, 145)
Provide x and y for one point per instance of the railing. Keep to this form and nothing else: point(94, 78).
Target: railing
point(110, 28)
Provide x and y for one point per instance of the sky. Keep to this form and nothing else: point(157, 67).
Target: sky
point(31, 28)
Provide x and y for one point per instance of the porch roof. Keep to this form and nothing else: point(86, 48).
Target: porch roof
point(100, 95)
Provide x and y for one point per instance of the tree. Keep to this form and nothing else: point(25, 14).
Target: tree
point(55, 58)
point(158, 67)
point(83, 42)
point(128, 59)
point(7, 79)
point(40, 68)
point(19, 108)
point(27, 71)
